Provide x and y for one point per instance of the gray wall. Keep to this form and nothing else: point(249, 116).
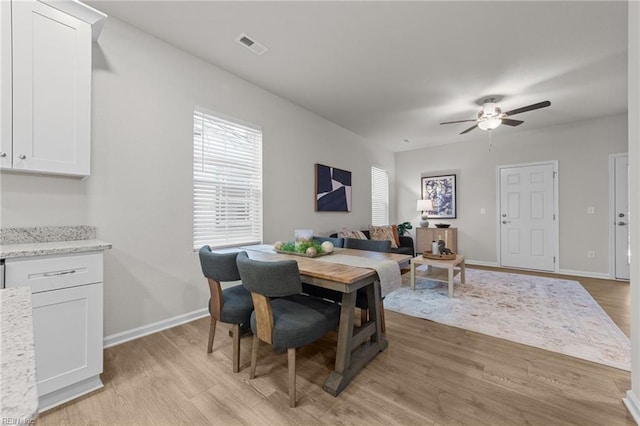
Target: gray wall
point(139, 192)
point(582, 150)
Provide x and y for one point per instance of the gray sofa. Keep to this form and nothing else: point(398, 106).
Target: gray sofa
point(405, 247)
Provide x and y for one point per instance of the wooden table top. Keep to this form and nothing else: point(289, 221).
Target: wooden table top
point(330, 271)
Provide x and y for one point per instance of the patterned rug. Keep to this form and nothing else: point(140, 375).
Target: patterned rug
point(552, 314)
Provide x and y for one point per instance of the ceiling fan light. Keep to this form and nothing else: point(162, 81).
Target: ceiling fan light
point(489, 123)
point(489, 108)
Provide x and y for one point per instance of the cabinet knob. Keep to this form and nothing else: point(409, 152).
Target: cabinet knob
point(22, 157)
point(3, 154)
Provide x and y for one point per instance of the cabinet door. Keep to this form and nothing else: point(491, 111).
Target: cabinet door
point(5, 85)
point(68, 336)
point(51, 90)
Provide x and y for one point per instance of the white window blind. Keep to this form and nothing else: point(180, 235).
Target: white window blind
point(379, 196)
point(227, 182)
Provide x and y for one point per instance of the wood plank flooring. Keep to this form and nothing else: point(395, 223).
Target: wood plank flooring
point(431, 374)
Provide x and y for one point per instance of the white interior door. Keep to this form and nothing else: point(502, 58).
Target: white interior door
point(621, 209)
point(527, 217)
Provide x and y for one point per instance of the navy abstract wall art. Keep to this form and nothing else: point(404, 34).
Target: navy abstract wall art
point(333, 189)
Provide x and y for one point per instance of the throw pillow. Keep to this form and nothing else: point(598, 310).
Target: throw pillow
point(352, 233)
point(394, 228)
point(383, 233)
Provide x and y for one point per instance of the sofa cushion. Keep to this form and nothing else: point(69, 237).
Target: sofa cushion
point(352, 233)
point(394, 228)
point(403, 250)
point(383, 233)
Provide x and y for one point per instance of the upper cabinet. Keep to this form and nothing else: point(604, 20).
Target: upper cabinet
point(46, 74)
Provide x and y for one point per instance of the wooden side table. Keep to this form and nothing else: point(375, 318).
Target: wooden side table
point(440, 270)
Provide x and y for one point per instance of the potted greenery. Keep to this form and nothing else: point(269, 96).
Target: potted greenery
point(404, 227)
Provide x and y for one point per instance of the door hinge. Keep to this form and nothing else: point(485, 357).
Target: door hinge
point(554, 260)
point(554, 216)
point(555, 174)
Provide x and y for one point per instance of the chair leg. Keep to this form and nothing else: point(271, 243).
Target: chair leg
point(291, 355)
point(236, 347)
point(254, 357)
point(212, 334)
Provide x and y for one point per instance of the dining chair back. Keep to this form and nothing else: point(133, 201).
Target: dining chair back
point(337, 242)
point(283, 317)
point(232, 305)
point(370, 245)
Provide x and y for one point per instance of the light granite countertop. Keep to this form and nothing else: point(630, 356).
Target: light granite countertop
point(51, 247)
point(46, 240)
point(18, 389)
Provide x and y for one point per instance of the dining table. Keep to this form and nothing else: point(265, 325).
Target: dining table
point(358, 344)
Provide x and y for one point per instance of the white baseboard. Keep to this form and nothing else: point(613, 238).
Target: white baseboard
point(68, 393)
point(135, 333)
point(633, 405)
point(480, 263)
point(601, 275)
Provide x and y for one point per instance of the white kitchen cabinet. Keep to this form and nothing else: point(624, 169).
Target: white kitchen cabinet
point(50, 67)
point(67, 298)
point(5, 86)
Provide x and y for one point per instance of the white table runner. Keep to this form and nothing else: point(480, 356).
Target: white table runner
point(388, 270)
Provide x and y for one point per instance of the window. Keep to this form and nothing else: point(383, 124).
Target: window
point(227, 182)
point(379, 196)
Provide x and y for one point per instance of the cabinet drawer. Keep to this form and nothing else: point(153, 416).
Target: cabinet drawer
point(44, 273)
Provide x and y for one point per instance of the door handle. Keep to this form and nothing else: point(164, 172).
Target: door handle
point(621, 223)
point(504, 222)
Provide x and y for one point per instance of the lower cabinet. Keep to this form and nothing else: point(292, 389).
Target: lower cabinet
point(67, 299)
point(68, 336)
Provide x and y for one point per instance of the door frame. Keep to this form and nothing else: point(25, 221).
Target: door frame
point(556, 212)
point(612, 214)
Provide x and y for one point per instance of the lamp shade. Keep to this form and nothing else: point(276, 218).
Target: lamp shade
point(424, 205)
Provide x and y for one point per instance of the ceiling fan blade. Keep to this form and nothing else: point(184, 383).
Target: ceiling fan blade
point(528, 108)
point(458, 121)
point(469, 129)
point(510, 122)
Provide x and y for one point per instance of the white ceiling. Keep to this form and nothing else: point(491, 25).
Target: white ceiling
point(391, 71)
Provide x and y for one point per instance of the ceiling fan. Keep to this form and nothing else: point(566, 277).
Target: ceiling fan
point(490, 116)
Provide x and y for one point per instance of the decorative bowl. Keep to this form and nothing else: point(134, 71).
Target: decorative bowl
point(442, 225)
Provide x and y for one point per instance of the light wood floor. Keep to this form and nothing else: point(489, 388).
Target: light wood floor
point(430, 374)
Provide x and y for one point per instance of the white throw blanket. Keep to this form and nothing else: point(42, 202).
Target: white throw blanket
point(388, 270)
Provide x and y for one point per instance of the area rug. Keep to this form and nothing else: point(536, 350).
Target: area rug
point(553, 314)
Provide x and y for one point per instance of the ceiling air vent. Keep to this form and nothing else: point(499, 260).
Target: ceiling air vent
point(250, 44)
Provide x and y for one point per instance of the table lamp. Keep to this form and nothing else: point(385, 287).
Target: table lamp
point(424, 206)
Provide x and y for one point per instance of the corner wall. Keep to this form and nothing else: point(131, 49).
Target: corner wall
point(632, 400)
point(582, 150)
point(139, 194)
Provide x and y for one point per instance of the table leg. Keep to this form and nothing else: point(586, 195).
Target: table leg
point(462, 278)
point(413, 275)
point(355, 350)
point(345, 332)
point(450, 269)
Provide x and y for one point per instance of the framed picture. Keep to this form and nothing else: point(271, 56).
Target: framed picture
point(441, 190)
point(333, 189)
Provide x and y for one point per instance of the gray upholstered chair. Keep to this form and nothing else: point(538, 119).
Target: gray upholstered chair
point(232, 305)
point(361, 297)
point(370, 245)
point(337, 242)
point(283, 317)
